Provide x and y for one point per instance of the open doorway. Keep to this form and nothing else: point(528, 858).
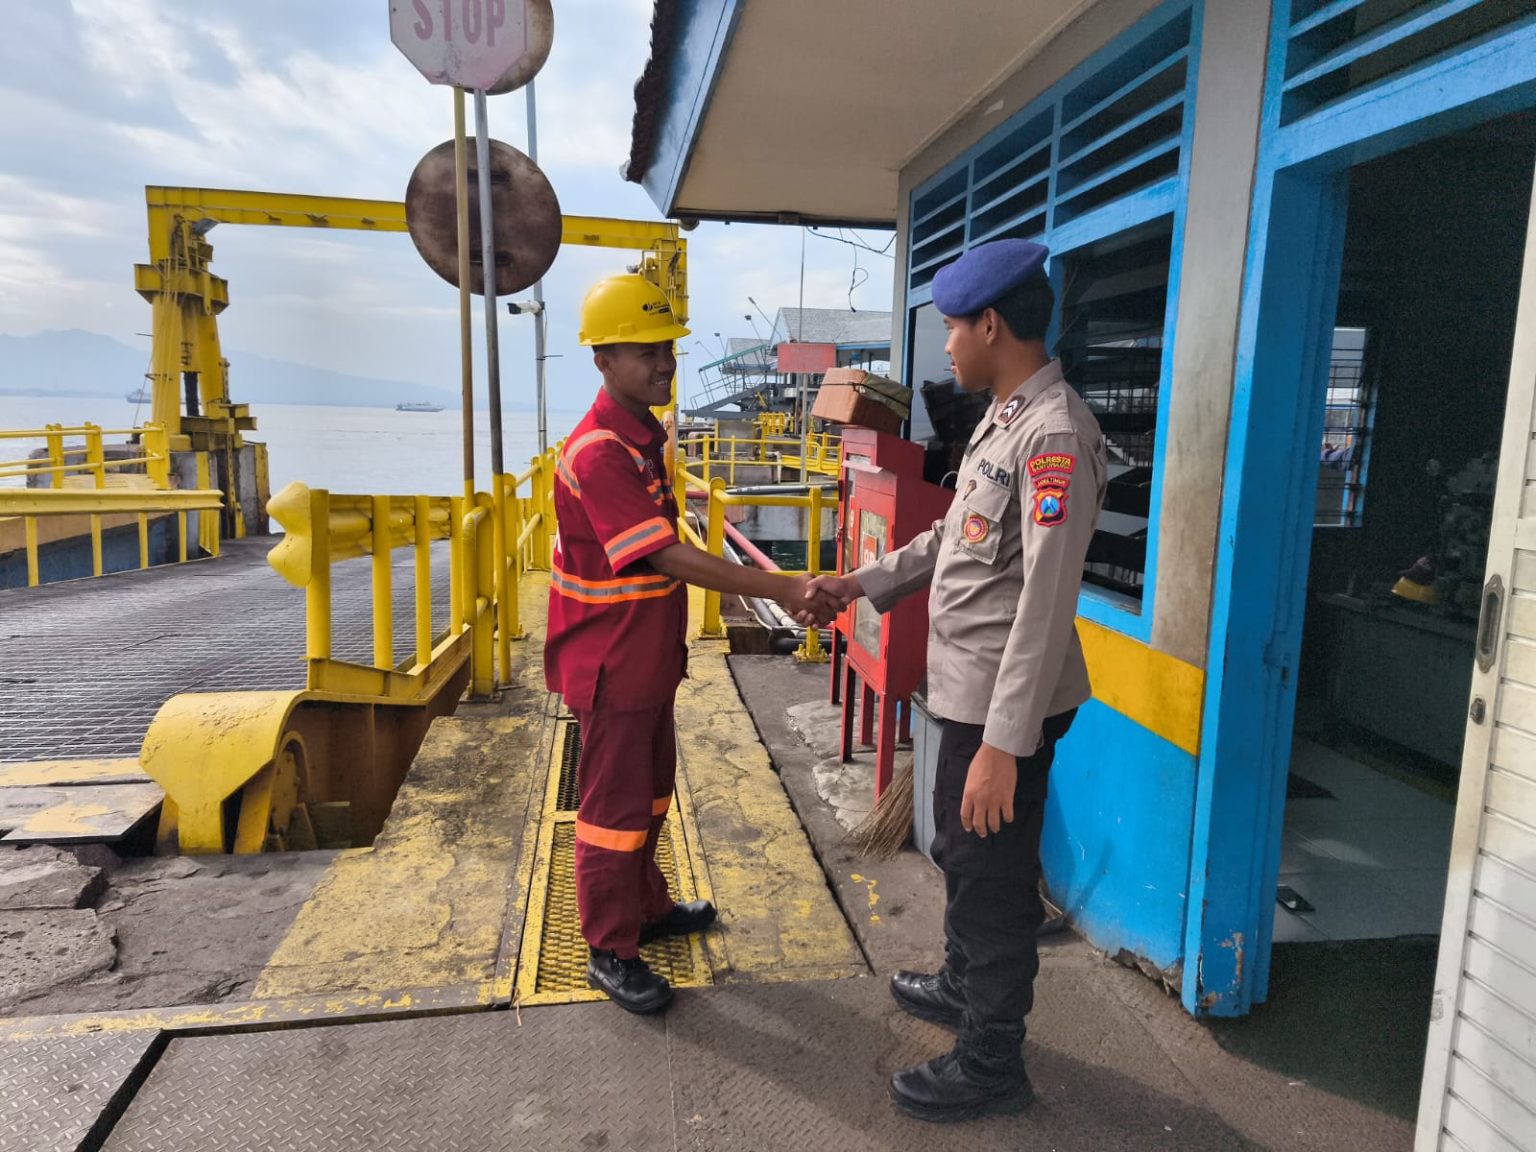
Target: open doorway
point(1415, 398)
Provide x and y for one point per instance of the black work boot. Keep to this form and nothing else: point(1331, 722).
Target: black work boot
point(984, 1073)
point(938, 998)
point(683, 920)
point(628, 983)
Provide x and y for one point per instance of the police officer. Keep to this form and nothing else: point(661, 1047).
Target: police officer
point(1005, 668)
point(615, 643)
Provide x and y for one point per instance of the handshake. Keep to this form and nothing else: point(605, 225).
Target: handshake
point(815, 600)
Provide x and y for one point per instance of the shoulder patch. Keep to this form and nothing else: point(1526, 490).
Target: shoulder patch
point(1010, 410)
point(1060, 462)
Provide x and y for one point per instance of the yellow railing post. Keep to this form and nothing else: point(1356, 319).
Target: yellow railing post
point(513, 560)
point(143, 541)
point(505, 589)
point(456, 564)
point(810, 649)
point(383, 586)
point(30, 526)
point(181, 537)
point(55, 435)
point(423, 526)
point(157, 449)
point(716, 544)
point(485, 604)
point(317, 594)
point(551, 524)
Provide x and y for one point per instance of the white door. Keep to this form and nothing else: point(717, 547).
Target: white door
point(1479, 1092)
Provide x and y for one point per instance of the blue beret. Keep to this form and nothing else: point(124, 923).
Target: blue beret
point(985, 273)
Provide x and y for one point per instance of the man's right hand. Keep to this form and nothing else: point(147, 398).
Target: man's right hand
point(836, 592)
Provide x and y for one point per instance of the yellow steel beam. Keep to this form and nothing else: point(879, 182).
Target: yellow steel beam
point(104, 501)
point(283, 209)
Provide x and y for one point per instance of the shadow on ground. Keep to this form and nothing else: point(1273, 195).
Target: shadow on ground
point(1350, 1018)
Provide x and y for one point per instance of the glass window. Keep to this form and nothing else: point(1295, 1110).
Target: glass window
point(1113, 309)
point(1347, 421)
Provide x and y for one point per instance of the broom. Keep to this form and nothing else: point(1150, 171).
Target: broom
point(888, 827)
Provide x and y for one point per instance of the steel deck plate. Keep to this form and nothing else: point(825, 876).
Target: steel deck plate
point(579, 1077)
point(56, 1087)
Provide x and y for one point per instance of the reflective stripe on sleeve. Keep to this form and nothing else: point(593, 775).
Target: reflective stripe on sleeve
point(627, 545)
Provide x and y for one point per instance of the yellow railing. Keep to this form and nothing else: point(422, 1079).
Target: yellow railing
point(89, 456)
point(713, 454)
point(321, 529)
point(719, 499)
point(29, 504)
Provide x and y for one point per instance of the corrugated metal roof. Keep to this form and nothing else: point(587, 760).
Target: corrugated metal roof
point(832, 326)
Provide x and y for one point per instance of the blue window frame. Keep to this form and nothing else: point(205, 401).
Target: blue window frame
point(1096, 169)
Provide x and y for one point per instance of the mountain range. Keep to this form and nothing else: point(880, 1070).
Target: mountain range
point(76, 363)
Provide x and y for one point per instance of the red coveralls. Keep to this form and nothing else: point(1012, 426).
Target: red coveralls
point(615, 650)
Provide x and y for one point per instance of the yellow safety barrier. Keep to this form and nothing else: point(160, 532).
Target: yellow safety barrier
point(719, 499)
point(715, 454)
point(28, 504)
point(89, 457)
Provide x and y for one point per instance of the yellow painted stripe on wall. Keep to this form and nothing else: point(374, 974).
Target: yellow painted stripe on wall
point(1157, 691)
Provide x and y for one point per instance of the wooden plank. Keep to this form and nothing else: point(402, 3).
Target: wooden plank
point(55, 773)
point(1523, 574)
point(1509, 933)
point(1512, 796)
point(1495, 1017)
point(1506, 1113)
point(1497, 1062)
point(1514, 751)
point(1520, 620)
point(1516, 706)
point(1520, 661)
point(1472, 1131)
point(1509, 844)
point(98, 813)
point(1504, 974)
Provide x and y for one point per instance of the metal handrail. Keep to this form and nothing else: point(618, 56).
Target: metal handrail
point(156, 457)
point(32, 503)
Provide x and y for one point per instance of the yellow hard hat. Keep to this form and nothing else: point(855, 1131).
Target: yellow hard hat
point(627, 309)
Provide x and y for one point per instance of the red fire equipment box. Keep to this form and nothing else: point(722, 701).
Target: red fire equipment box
point(884, 503)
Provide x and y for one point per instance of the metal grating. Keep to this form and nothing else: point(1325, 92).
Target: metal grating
point(568, 797)
point(1338, 48)
point(1098, 138)
point(562, 964)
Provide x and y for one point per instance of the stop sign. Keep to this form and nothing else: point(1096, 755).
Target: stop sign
point(495, 45)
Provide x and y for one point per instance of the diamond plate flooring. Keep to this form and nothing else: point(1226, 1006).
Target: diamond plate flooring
point(56, 1087)
point(85, 665)
point(786, 1067)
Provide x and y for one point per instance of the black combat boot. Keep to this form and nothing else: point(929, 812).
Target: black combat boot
point(683, 920)
point(984, 1073)
point(938, 998)
point(628, 983)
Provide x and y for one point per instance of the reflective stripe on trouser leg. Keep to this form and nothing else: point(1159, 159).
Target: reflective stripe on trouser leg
point(615, 839)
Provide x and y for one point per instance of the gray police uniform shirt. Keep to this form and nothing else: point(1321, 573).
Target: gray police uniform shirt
point(1005, 565)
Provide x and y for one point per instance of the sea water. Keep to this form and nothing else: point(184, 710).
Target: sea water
point(355, 450)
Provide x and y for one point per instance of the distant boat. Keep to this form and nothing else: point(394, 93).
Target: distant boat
point(418, 406)
point(142, 396)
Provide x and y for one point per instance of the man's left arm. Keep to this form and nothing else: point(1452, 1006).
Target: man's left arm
point(1058, 505)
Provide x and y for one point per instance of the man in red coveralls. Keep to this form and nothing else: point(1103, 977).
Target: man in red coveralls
point(616, 650)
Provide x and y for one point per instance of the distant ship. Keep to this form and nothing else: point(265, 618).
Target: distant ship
point(142, 396)
point(418, 406)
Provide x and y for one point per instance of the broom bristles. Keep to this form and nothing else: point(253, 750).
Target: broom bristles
point(888, 828)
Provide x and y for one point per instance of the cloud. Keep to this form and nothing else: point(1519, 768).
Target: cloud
point(102, 97)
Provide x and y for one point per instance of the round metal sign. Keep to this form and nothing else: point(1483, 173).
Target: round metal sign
point(524, 210)
point(494, 45)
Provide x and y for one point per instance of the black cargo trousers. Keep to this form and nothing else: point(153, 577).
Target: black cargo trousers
point(993, 909)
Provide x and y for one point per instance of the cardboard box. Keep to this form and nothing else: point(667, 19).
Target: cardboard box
point(845, 404)
point(854, 396)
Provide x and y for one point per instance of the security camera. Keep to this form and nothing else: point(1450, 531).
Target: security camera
point(525, 307)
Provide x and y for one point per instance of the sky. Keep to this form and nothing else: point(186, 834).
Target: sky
point(99, 98)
